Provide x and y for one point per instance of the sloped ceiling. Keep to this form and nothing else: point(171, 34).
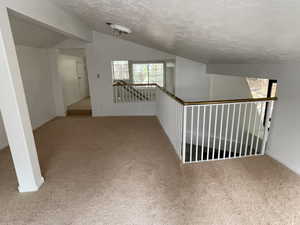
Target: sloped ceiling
point(32, 34)
point(239, 31)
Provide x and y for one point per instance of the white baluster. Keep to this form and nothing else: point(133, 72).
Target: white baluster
point(259, 126)
point(118, 94)
point(148, 93)
point(191, 133)
point(114, 90)
point(122, 94)
point(221, 127)
point(237, 130)
point(226, 131)
point(244, 121)
point(248, 130)
point(209, 127)
point(232, 128)
point(203, 132)
point(215, 130)
point(197, 140)
point(254, 125)
point(184, 134)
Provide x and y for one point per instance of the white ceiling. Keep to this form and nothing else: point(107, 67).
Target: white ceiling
point(32, 34)
point(204, 30)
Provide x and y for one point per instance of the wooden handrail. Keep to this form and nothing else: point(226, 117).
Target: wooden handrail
point(171, 95)
point(130, 88)
point(223, 101)
point(220, 101)
point(120, 84)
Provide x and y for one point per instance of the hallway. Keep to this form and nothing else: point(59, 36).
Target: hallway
point(122, 170)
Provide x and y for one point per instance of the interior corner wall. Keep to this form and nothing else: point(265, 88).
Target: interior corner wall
point(228, 87)
point(100, 54)
point(191, 80)
point(34, 66)
point(51, 15)
point(284, 139)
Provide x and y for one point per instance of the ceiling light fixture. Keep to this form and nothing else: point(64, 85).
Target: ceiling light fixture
point(118, 30)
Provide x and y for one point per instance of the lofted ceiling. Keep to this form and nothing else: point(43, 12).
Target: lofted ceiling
point(30, 33)
point(239, 31)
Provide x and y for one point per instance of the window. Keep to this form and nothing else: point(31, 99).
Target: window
point(140, 73)
point(272, 89)
point(120, 70)
point(145, 73)
point(262, 88)
point(258, 87)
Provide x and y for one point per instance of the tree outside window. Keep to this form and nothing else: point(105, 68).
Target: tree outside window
point(120, 70)
point(146, 73)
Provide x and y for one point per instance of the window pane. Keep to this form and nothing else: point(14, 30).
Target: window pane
point(156, 73)
point(258, 87)
point(120, 70)
point(274, 89)
point(148, 73)
point(140, 73)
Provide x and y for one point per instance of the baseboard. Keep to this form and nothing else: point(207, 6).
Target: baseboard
point(34, 129)
point(292, 168)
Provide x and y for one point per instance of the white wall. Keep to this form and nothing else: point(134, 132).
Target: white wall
point(169, 113)
point(191, 82)
point(228, 87)
point(100, 53)
point(34, 65)
point(285, 130)
point(170, 79)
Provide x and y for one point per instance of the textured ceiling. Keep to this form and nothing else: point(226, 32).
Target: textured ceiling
point(204, 30)
point(32, 34)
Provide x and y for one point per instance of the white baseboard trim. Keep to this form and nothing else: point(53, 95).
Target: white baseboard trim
point(33, 188)
point(285, 164)
point(6, 145)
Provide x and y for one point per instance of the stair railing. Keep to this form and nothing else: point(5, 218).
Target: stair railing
point(215, 130)
point(206, 130)
point(125, 92)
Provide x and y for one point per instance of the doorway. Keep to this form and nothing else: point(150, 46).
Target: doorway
point(73, 71)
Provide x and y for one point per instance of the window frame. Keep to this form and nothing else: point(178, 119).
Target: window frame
point(131, 63)
point(269, 92)
point(113, 69)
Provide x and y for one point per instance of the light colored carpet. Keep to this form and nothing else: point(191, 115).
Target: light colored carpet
point(123, 171)
point(81, 105)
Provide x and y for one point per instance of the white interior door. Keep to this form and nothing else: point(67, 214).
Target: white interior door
point(67, 69)
point(82, 80)
point(73, 72)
